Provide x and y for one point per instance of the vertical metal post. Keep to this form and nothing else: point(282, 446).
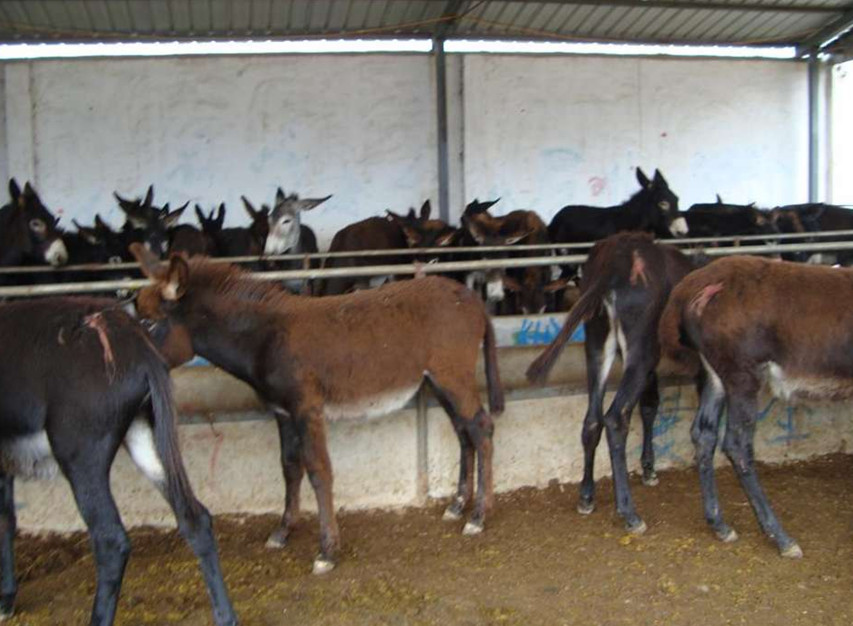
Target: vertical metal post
point(814, 127)
point(441, 111)
point(422, 431)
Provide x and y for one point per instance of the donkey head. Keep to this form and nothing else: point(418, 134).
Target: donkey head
point(156, 302)
point(147, 223)
point(259, 227)
point(661, 204)
point(211, 225)
point(285, 224)
point(39, 237)
point(422, 232)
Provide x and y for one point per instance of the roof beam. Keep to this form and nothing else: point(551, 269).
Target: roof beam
point(448, 18)
point(833, 30)
point(711, 5)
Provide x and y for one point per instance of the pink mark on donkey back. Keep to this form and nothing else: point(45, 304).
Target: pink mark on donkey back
point(638, 270)
point(96, 322)
point(705, 295)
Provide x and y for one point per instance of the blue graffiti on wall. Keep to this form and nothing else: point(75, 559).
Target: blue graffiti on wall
point(537, 332)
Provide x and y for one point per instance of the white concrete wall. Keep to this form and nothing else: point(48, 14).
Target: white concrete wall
point(540, 132)
point(543, 132)
point(210, 129)
point(842, 134)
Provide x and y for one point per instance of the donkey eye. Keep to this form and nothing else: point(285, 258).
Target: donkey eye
point(38, 226)
point(664, 205)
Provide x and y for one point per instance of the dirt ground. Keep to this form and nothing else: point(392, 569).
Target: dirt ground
point(538, 562)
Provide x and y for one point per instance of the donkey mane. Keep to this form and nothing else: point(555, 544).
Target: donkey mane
point(233, 283)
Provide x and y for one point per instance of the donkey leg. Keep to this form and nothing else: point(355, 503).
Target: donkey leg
point(315, 457)
point(704, 433)
point(8, 525)
point(293, 470)
point(481, 430)
point(737, 444)
point(649, 403)
point(194, 521)
point(91, 486)
point(465, 485)
point(616, 422)
point(600, 347)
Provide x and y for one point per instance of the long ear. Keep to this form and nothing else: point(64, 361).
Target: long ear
point(14, 190)
point(149, 263)
point(449, 238)
point(176, 278)
point(475, 229)
point(279, 196)
point(719, 199)
point(642, 178)
point(220, 216)
point(149, 196)
point(660, 180)
point(172, 218)
point(426, 209)
point(101, 225)
point(199, 215)
point(306, 204)
point(515, 238)
point(90, 235)
point(485, 206)
point(253, 213)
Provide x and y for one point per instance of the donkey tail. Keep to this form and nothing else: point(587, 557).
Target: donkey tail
point(166, 436)
point(583, 309)
point(671, 332)
point(493, 377)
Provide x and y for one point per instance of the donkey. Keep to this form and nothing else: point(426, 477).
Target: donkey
point(752, 320)
point(384, 343)
point(149, 224)
point(423, 232)
point(28, 230)
point(373, 233)
point(83, 370)
point(624, 286)
point(288, 235)
point(654, 209)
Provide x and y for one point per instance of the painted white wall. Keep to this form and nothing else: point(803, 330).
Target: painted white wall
point(543, 132)
point(842, 134)
point(210, 129)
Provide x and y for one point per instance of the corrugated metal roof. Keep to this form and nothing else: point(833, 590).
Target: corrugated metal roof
point(661, 21)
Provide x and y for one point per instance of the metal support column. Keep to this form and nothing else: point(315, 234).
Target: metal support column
point(814, 127)
point(441, 111)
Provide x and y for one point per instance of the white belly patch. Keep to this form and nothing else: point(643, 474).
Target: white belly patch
point(28, 456)
point(373, 406)
point(790, 387)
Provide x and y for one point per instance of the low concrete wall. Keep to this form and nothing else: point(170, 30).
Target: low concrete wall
point(233, 461)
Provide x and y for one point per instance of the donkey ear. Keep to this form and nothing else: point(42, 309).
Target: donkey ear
point(176, 278)
point(101, 225)
point(306, 204)
point(149, 196)
point(426, 209)
point(253, 213)
point(449, 238)
point(279, 196)
point(485, 206)
point(719, 199)
point(149, 263)
point(475, 229)
point(642, 178)
point(516, 237)
point(199, 215)
point(220, 216)
point(14, 190)
point(660, 180)
point(171, 219)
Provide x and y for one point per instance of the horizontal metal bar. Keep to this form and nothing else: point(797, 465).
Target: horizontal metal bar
point(43, 269)
point(409, 269)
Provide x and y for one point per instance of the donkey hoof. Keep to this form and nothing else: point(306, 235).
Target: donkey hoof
point(636, 528)
point(6, 614)
point(451, 515)
point(727, 535)
point(650, 479)
point(586, 508)
point(793, 551)
point(276, 541)
point(322, 566)
point(473, 528)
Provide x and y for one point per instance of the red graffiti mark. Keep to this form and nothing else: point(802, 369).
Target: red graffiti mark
point(701, 299)
point(638, 270)
point(96, 322)
point(597, 184)
point(218, 439)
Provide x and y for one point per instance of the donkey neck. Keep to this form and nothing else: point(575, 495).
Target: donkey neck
point(636, 211)
point(233, 334)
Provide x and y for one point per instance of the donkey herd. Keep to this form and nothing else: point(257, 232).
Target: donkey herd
point(90, 375)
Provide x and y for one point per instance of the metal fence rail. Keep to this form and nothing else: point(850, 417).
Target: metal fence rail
point(690, 241)
point(410, 269)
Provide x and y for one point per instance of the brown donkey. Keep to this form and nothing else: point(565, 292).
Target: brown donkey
point(364, 354)
point(753, 321)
